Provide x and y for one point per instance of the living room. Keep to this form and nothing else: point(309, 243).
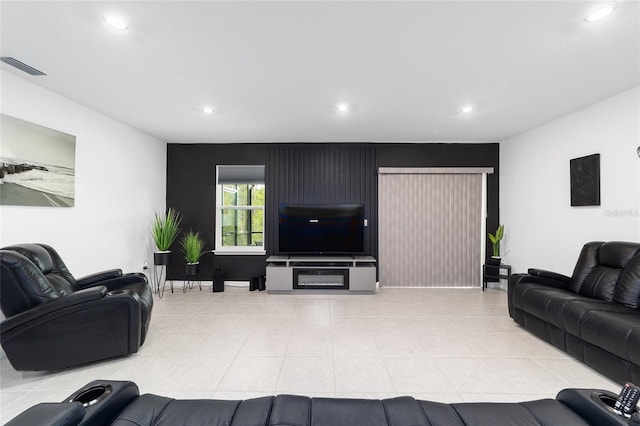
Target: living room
point(125, 174)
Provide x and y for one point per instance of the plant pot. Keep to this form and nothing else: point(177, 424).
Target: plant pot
point(494, 260)
point(162, 257)
point(193, 269)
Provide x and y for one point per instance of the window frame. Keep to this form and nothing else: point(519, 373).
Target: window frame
point(234, 250)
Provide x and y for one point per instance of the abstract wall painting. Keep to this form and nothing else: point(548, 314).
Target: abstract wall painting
point(585, 180)
point(37, 165)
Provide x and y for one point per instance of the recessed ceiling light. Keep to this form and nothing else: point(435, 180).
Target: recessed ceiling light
point(343, 107)
point(207, 110)
point(598, 14)
point(117, 22)
point(467, 109)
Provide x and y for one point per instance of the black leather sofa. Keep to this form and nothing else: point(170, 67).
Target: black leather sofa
point(54, 320)
point(102, 403)
point(594, 315)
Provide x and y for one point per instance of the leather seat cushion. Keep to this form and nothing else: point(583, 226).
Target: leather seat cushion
point(547, 303)
point(576, 309)
point(160, 411)
point(614, 332)
point(534, 413)
point(346, 412)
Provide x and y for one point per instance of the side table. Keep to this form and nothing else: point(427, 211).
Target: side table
point(495, 271)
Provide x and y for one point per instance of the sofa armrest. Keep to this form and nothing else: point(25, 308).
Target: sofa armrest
point(536, 276)
point(548, 274)
point(75, 298)
point(96, 278)
point(50, 414)
point(124, 280)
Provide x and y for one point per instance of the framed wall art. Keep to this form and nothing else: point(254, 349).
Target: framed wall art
point(585, 180)
point(37, 165)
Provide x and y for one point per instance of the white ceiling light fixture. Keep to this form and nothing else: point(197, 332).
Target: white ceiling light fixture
point(600, 13)
point(466, 109)
point(208, 110)
point(343, 107)
point(117, 22)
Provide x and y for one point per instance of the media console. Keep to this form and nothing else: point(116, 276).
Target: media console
point(353, 274)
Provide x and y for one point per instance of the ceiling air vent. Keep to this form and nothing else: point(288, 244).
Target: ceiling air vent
point(21, 65)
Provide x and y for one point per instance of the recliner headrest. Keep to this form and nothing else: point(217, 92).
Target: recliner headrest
point(36, 254)
point(616, 254)
point(23, 285)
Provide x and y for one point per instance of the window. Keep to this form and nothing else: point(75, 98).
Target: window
point(240, 197)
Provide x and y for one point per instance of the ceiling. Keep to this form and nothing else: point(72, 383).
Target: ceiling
point(275, 71)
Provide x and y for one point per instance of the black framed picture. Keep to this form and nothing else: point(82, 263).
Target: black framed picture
point(585, 180)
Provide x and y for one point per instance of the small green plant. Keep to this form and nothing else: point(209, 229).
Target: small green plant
point(192, 246)
point(495, 240)
point(165, 229)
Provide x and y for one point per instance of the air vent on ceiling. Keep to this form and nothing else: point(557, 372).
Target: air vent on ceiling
point(21, 65)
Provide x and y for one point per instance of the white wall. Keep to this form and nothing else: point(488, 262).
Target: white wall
point(120, 182)
point(542, 230)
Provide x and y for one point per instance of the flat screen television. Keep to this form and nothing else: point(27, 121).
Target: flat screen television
point(321, 229)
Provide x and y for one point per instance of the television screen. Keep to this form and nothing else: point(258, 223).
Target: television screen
point(321, 228)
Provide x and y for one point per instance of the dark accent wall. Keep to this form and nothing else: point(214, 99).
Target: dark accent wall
point(320, 174)
point(303, 173)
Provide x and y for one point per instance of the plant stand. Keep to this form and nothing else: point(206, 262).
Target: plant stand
point(160, 261)
point(160, 280)
point(193, 276)
point(190, 282)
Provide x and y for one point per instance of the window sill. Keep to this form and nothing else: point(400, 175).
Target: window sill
point(231, 252)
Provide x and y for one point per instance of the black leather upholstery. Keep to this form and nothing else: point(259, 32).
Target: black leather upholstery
point(54, 414)
point(594, 315)
point(54, 321)
point(575, 407)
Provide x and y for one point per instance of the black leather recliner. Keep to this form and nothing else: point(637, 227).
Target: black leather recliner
point(118, 403)
point(594, 315)
point(54, 321)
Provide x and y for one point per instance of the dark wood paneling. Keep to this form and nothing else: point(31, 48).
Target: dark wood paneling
point(319, 174)
point(303, 173)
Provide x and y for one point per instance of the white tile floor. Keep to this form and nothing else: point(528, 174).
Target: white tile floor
point(445, 345)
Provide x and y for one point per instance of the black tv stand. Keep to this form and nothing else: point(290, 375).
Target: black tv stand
point(352, 274)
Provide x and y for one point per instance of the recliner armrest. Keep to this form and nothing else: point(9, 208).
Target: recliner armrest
point(50, 414)
point(124, 280)
point(96, 278)
point(542, 273)
point(75, 298)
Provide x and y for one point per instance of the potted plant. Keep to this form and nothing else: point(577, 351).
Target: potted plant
point(165, 229)
point(495, 241)
point(193, 248)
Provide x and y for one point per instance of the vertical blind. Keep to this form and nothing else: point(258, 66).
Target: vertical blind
point(430, 229)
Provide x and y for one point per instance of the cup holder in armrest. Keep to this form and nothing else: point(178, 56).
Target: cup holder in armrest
point(608, 401)
point(118, 292)
point(104, 400)
point(92, 395)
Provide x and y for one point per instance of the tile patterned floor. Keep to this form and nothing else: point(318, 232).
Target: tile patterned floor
point(444, 345)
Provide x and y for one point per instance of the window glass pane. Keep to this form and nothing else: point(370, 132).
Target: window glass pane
point(257, 227)
point(242, 227)
point(229, 195)
point(242, 195)
point(257, 195)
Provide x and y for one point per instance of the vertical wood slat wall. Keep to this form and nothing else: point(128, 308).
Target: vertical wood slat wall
point(429, 230)
point(321, 174)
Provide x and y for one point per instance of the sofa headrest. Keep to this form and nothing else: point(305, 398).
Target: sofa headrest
point(587, 261)
point(600, 267)
point(22, 284)
point(36, 254)
point(628, 288)
point(616, 254)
